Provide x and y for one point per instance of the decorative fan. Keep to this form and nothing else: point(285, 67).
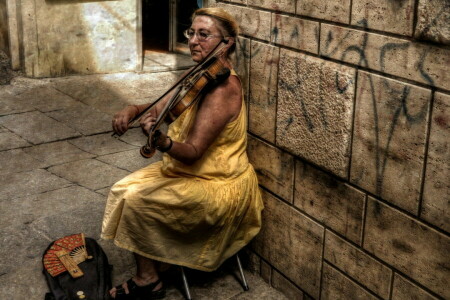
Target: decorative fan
point(65, 254)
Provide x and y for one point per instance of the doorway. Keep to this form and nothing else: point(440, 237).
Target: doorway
point(163, 43)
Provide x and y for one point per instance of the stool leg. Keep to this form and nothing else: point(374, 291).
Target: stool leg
point(186, 285)
point(244, 282)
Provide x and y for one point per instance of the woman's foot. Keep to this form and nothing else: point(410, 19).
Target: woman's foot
point(139, 288)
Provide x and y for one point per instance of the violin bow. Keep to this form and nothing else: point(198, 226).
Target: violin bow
point(214, 52)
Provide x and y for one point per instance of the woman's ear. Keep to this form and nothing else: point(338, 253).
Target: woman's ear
point(230, 42)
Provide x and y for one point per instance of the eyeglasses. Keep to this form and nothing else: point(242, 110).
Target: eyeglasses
point(201, 36)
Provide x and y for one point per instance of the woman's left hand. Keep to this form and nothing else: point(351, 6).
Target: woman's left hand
point(147, 121)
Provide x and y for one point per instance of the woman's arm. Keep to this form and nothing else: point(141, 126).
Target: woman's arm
point(122, 118)
point(219, 107)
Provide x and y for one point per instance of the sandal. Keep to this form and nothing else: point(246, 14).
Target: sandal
point(136, 292)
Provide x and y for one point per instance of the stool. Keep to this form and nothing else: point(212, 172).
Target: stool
point(186, 285)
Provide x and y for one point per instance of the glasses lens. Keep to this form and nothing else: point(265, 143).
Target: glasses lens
point(188, 34)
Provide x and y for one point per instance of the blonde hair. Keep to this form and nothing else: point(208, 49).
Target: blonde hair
point(224, 20)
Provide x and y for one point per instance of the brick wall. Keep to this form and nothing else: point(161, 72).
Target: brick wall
point(349, 133)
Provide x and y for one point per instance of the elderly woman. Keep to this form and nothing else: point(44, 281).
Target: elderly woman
point(201, 204)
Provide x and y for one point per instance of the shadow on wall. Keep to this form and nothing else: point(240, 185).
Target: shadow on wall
point(79, 37)
point(4, 37)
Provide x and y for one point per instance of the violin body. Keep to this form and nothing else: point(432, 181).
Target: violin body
point(196, 85)
point(206, 75)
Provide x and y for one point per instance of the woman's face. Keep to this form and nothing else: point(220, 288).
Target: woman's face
point(201, 48)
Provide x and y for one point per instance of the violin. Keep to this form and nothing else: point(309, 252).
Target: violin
point(207, 74)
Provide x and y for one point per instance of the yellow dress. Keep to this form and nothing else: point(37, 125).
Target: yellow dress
point(195, 216)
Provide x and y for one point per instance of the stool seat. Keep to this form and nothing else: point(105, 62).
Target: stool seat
point(186, 284)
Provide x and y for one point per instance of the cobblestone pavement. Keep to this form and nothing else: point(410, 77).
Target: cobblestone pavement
point(57, 163)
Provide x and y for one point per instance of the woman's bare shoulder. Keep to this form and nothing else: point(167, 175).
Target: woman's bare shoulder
point(227, 97)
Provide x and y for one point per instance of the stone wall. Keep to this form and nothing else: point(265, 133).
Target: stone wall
point(4, 37)
point(349, 111)
point(61, 37)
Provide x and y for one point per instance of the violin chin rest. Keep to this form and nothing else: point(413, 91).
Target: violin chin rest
point(221, 76)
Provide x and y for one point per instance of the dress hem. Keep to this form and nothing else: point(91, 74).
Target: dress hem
point(158, 258)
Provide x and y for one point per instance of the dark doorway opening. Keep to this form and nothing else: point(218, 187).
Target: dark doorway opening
point(163, 43)
point(155, 25)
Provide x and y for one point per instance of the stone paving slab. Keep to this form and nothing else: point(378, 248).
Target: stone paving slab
point(37, 128)
point(45, 98)
point(57, 153)
point(30, 183)
point(134, 136)
point(109, 93)
point(89, 173)
point(9, 140)
point(20, 244)
point(101, 144)
point(130, 160)
point(83, 118)
point(32, 207)
point(10, 105)
point(13, 161)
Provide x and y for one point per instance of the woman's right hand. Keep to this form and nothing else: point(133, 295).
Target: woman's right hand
point(122, 118)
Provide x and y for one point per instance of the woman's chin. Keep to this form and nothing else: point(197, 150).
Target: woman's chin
point(196, 57)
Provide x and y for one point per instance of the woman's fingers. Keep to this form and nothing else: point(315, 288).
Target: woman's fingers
point(120, 124)
point(147, 121)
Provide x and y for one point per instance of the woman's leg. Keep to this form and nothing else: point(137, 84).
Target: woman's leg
point(146, 273)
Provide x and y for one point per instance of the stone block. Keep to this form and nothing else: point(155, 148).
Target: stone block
point(291, 242)
point(336, 286)
point(295, 33)
point(282, 284)
point(89, 173)
point(130, 160)
point(358, 265)
point(433, 21)
point(278, 6)
point(101, 144)
point(263, 90)
point(83, 118)
point(13, 161)
point(266, 271)
point(241, 63)
point(405, 289)
point(410, 60)
point(57, 153)
point(411, 247)
point(330, 201)
point(252, 22)
point(336, 10)
point(37, 128)
point(275, 168)
point(389, 139)
point(250, 260)
point(315, 109)
point(30, 183)
point(435, 201)
point(9, 140)
point(384, 15)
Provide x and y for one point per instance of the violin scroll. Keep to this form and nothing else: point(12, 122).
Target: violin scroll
point(149, 149)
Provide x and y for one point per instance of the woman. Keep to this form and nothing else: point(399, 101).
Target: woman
point(201, 203)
